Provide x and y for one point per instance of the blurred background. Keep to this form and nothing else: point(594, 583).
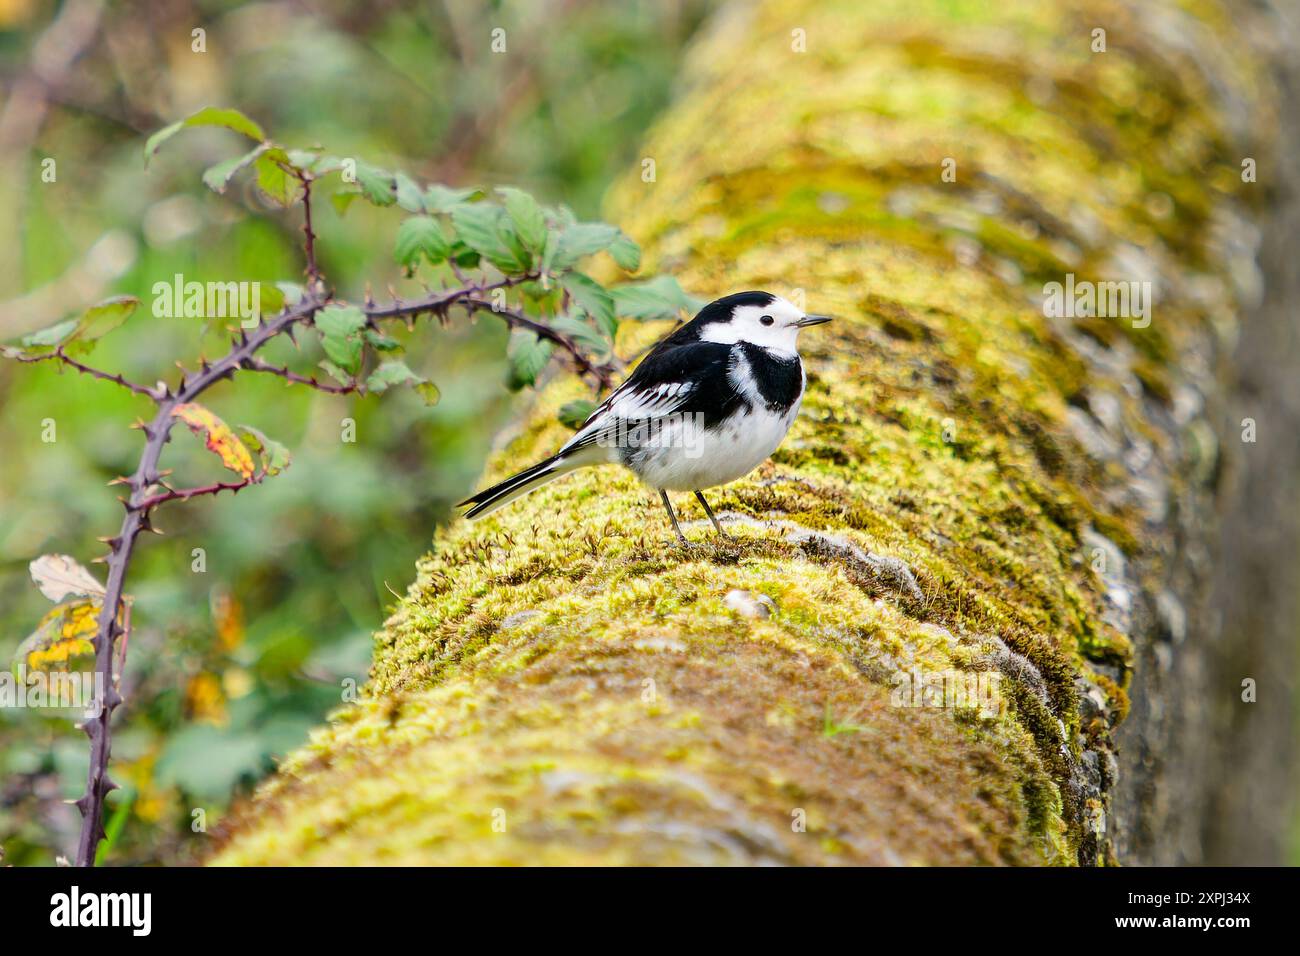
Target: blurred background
point(230, 667)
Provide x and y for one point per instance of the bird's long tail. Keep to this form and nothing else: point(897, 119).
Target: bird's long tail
point(530, 479)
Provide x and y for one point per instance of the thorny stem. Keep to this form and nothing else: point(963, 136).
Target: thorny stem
point(63, 357)
point(140, 504)
point(516, 318)
point(185, 494)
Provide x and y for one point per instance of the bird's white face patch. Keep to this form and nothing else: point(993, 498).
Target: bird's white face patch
point(771, 326)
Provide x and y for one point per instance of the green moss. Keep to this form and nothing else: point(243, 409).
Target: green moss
point(565, 668)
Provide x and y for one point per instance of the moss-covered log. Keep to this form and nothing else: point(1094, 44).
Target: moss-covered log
point(978, 497)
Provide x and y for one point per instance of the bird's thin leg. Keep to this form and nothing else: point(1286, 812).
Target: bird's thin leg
point(672, 517)
point(709, 511)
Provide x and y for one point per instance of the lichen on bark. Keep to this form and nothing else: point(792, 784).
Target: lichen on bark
point(975, 492)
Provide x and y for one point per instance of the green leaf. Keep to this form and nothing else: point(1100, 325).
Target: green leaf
point(593, 298)
point(584, 334)
point(46, 339)
point(378, 186)
point(218, 177)
point(625, 252)
point(575, 413)
point(443, 199)
point(420, 236)
point(275, 296)
point(336, 373)
point(340, 328)
point(208, 116)
point(528, 355)
point(429, 392)
point(388, 374)
point(343, 199)
point(392, 373)
point(408, 193)
point(275, 178)
point(315, 163)
point(78, 335)
point(381, 342)
point(660, 298)
point(580, 240)
point(527, 216)
point(483, 228)
point(274, 457)
point(100, 319)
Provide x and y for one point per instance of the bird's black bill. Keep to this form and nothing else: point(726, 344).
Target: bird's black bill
point(808, 320)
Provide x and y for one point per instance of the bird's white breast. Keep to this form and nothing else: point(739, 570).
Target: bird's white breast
point(693, 458)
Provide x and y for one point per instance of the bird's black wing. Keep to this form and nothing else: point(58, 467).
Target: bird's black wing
point(683, 379)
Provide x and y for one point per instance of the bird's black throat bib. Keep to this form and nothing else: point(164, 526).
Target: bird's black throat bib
point(779, 379)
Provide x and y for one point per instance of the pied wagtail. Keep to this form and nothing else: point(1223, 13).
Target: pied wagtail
point(706, 406)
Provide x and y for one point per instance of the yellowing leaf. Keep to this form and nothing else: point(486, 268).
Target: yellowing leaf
point(65, 633)
point(218, 437)
point(58, 575)
point(205, 701)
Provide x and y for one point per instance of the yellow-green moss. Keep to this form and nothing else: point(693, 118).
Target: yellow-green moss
point(563, 684)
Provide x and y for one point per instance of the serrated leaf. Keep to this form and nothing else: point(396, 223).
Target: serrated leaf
point(625, 252)
point(660, 298)
point(388, 374)
point(340, 329)
point(392, 373)
point(528, 355)
point(66, 632)
point(592, 298)
point(218, 177)
point(380, 342)
point(305, 159)
point(103, 317)
point(273, 457)
point(316, 163)
point(208, 116)
point(58, 575)
point(443, 199)
point(575, 414)
point(483, 228)
point(581, 240)
point(420, 236)
point(583, 333)
point(46, 339)
point(408, 194)
point(378, 186)
point(336, 373)
point(275, 178)
point(217, 436)
point(77, 335)
point(526, 214)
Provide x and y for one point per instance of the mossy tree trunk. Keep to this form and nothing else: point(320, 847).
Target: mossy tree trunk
point(946, 583)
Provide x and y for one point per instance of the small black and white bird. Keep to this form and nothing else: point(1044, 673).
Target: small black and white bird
point(706, 406)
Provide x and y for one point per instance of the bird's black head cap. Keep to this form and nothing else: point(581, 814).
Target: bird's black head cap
point(719, 310)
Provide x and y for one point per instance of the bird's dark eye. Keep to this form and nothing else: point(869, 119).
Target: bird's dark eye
point(766, 320)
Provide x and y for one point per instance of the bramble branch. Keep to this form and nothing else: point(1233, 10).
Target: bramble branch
point(475, 240)
point(64, 358)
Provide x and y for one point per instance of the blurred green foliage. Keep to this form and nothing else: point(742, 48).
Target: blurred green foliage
point(230, 666)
